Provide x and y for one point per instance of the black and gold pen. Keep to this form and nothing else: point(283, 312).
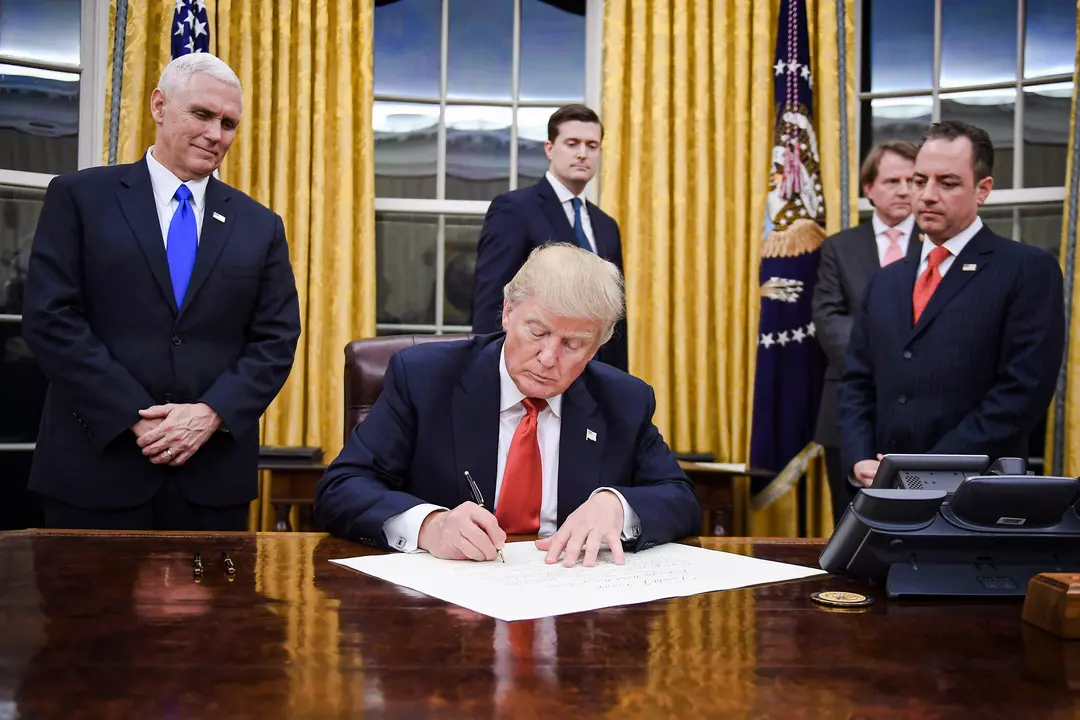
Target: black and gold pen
point(229, 567)
point(196, 565)
point(479, 499)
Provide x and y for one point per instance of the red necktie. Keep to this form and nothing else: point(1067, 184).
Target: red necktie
point(893, 252)
point(928, 281)
point(518, 507)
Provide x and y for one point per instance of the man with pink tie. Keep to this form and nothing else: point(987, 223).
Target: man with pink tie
point(848, 259)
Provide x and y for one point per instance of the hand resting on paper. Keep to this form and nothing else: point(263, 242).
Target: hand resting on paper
point(600, 518)
point(468, 532)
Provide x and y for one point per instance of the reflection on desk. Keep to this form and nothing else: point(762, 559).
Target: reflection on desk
point(114, 625)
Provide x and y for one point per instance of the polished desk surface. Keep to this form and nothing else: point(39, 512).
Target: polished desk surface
point(114, 625)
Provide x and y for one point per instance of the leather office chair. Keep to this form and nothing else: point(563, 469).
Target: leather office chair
point(365, 365)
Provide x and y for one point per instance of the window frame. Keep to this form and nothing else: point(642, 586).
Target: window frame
point(92, 71)
point(440, 208)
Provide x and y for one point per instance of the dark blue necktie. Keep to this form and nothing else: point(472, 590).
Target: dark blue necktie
point(182, 244)
point(579, 230)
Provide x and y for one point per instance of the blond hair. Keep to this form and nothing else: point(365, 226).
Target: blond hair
point(572, 282)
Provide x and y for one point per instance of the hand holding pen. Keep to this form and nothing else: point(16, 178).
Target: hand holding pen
point(480, 501)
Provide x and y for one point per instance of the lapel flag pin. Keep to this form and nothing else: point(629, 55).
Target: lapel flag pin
point(219, 217)
point(590, 435)
point(969, 267)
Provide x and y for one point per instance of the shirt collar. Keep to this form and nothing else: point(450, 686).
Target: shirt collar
point(510, 396)
point(956, 243)
point(561, 191)
point(165, 183)
point(905, 227)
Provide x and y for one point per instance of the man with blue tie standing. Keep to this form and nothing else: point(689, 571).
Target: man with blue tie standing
point(552, 210)
point(161, 305)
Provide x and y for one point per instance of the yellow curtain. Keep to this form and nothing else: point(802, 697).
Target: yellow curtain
point(305, 149)
point(688, 110)
point(1063, 427)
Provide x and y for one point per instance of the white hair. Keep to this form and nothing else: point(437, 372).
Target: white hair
point(572, 282)
point(177, 73)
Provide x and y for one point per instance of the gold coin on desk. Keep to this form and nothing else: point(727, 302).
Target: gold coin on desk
point(836, 598)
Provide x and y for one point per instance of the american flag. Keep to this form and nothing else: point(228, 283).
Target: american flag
point(790, 363)
point(190, 28)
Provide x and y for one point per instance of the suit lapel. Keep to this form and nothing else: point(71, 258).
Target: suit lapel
point(579, 453)
point(212, 237)
point(553, 209)
point(866, 252)
point(140, 208)
point(605, 247)
point(475, 425)
point(975, 253)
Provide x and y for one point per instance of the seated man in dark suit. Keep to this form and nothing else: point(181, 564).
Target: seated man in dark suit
point(552, 210)
point(557, 445)
point(969, 365)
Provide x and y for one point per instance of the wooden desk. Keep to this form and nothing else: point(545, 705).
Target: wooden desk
point(113, 625)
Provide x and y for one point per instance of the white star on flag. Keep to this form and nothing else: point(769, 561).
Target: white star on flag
point(767, 340)
point(782, 338)
point(810, 330)
point(798, 335)
point(200, 28)
point(779, 67)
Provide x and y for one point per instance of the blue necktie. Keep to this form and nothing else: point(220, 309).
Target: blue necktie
point(579, 230)
point(183, 242)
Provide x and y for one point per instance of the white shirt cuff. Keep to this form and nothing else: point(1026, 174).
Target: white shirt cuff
point(631, 527)
point(403, 530)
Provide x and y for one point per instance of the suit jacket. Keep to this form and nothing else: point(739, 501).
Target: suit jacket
point(516, 223)
point(848, 259)
point(438, 416)
point(974, 375)
point(102, 322)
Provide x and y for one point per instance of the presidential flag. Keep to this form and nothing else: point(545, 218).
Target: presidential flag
point(190, 28)
point(790, 363)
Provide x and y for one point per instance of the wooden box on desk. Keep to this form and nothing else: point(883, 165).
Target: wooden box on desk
point(1053, 604)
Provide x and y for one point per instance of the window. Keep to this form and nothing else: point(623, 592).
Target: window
point(1004, 65)
point(52, 70)
point(463, 91)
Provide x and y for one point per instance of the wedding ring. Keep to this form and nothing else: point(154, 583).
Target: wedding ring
point(168, 453)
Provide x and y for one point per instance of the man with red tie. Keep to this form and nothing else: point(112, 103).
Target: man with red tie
point(557, 445)
point(848, 260)
point(969, 364)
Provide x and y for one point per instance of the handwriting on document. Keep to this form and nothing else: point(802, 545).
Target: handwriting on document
point(526, 587)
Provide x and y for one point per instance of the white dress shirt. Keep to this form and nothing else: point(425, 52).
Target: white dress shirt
point(883, 240)
point(403, 530)
point(565, 196)
point(165, 184)
point(954, 245)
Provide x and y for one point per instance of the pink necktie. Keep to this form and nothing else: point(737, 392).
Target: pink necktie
point(893, 252)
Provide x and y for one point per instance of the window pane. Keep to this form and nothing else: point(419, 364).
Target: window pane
point(481, 45)
point(477, 151)
point(1050, 47)
point(998, 219)
point(39, 120)
point(408, 37)
point(978, 42)
point(19, 211)
point(406, 149)
point(462, 236)
point(552, 50)
point(22, 386)
point(994, 111)
point(532, 134)
point(1046, 134)
point(895, 119)
point(44, 30)
point(405, 253)
point(901, 37)
point(1041, 226)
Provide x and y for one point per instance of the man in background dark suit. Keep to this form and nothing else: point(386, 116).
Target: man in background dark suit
point(969, 364)
point(552, 210)
point(557, 445)
point(848, 259)
point(161, 305)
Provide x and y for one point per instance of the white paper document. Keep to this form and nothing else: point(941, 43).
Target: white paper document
point(524, 587)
